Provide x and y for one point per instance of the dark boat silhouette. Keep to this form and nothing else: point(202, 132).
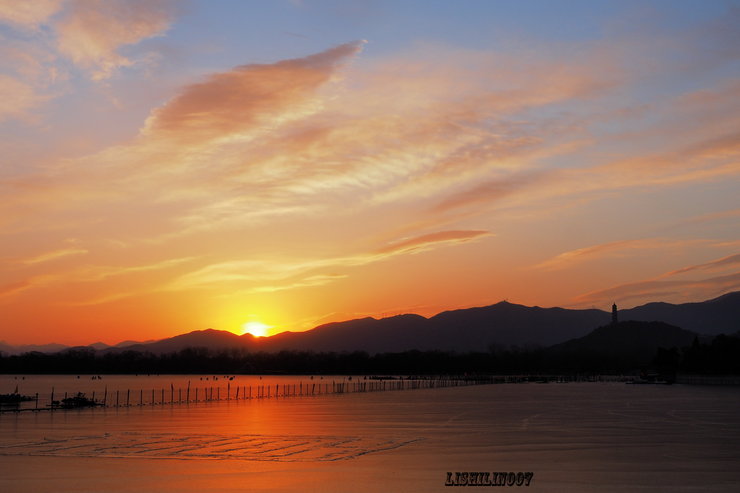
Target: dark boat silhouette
point(76, 401)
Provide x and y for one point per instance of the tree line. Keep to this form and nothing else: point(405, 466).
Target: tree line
point(720, 356)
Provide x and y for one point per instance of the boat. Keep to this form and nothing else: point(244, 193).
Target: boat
point(76, 401)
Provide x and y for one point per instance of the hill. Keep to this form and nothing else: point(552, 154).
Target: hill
point(480, 329)
point(622, 345)
point(716, 316)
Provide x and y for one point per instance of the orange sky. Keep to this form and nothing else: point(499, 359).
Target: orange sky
point(167, 168)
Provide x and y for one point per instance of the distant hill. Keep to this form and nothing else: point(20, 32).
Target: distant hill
point(474, 329)
point(510, 324)
point(712, 317)
point(632, 342)
point(28, 348)
point(209, 339)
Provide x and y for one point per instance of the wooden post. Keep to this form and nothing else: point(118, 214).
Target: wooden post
point(152, 397)
point(187, 394)
point(237, 393)
point(128, 396)
point(105, 396)
point(196, 394)
point(37, 400)
point(116, 398)
point(141, 397)
point(162, 397)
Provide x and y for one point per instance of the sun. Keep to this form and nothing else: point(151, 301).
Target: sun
point(257, 329)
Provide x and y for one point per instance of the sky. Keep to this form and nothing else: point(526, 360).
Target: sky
point(169, 166)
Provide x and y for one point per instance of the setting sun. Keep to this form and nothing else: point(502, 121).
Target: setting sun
point(257, 329)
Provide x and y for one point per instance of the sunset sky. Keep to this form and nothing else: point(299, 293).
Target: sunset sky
point(167, 166)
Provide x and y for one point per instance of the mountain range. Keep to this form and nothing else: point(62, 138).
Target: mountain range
point(479, 329)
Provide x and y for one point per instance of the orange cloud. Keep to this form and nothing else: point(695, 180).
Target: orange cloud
point(15, 287)
point(92, 31)
point(597, 252)
point(28, 14)
point(491, 191)
point(45, 257)
point(423, 242)
point(675, 291)
point(720, 263)
point(18, 98)
point(272, 269)
point(229, 103)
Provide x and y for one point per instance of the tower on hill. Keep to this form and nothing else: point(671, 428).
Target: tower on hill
point(614, 314)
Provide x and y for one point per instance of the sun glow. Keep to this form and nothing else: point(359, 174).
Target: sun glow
point(257, 329)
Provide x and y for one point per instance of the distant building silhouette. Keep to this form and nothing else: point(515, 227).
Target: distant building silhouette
point(614, 314)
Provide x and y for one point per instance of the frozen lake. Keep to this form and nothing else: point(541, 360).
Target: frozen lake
point(158, 389)
point(575, 437)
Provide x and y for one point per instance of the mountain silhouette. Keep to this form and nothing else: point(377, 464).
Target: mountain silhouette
point(631, 339)
point(479, 329)
point(716, 316)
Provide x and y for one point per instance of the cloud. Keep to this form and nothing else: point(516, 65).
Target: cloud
point(710, 217)
point(311, 281)
point(615, 248)
point(46, 257)
point(675, 291)
point(9, 289)
point(103, 277)
point(424, 242)
point(15, 287)
point(275, 153)
point(95, 273)
point(248, 97)
point(672, 287)
point(195, 144)
point(491, 191)
point(18, 98)
point(716, 264)
point(28, 14)
point(272, 269)
point(91, 32)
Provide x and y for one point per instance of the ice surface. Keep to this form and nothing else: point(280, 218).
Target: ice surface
point(573, 437)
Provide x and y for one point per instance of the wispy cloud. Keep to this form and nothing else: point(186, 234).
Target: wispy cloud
point(45, 35)
point(56, 254)
point(615, 248)
point(311, 281)
point(15, 287)
point(273, 269)
point(29, 15)
point(18, 99)
point(423, 242)
point(295, 174)
point(91, 32)
point(728, 261)
point(674, 285)
point(246, 98)
point(676, 291)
